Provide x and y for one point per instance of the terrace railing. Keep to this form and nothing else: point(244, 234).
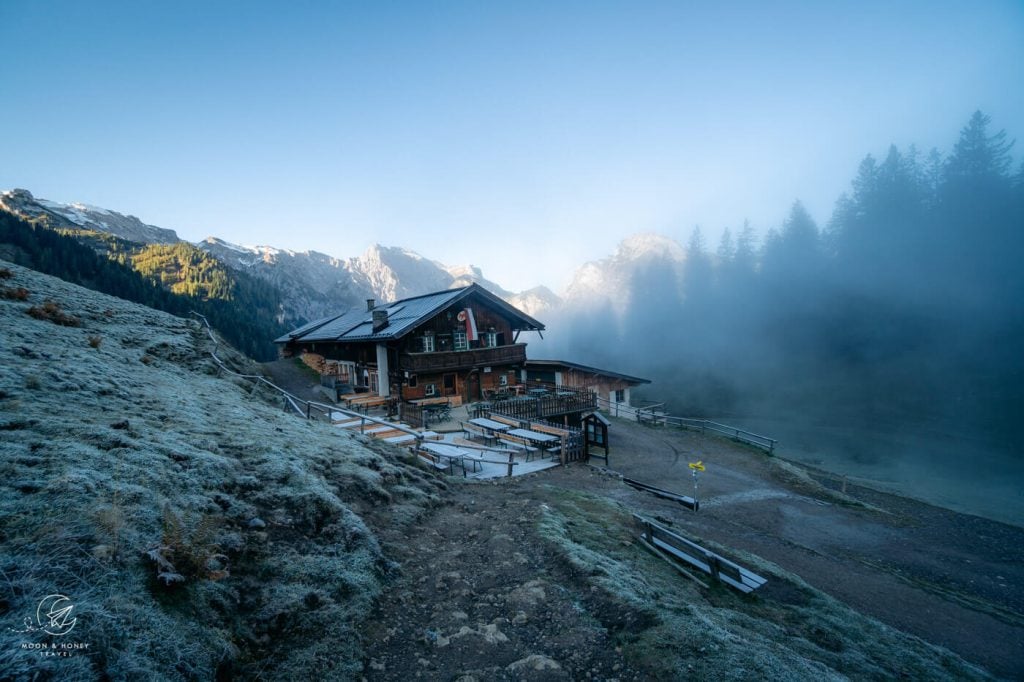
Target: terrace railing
point(655, 415)
point(555, 403)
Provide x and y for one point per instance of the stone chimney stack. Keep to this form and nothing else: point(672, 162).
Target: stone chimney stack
point(370, 304)
point(380, 320)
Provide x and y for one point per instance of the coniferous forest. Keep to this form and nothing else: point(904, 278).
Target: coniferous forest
point(904, 310)
point(178, 279)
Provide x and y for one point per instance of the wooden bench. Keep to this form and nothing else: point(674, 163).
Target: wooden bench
point(519, 444)
point(436, 461)
point(552, 430)
point(686, 551)
point(400, 439)
point(388, 433)
point(474, 430)
point(514, 423)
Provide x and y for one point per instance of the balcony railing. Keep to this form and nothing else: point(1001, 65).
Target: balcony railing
point(463, 359)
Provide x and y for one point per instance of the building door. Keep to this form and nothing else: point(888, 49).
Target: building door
point(473, 387)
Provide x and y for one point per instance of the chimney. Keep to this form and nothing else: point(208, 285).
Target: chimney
point(370, 304)
point(380, 320)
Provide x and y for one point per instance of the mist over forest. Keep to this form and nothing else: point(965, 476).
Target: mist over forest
point(902, 313)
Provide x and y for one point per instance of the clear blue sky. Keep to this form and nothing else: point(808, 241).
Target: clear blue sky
point(522, 137)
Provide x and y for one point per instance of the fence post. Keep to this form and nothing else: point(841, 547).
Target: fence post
point(510, 457)
point(712, 565)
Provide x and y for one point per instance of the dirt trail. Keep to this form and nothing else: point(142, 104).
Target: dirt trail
point(952, 579)
point(483, 597)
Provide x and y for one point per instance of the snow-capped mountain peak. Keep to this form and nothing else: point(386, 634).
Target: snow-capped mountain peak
point(649, 245)
point(87, 217)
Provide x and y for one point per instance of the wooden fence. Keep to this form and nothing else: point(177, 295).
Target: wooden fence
point(661, 540)
point(654, 415)
point(304, 408)
point(559, 401)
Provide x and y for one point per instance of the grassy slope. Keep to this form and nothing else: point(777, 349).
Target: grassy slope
point(677, 630)
point(118, 439)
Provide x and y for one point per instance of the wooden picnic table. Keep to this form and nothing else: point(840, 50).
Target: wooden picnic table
point(490, 424)
point(454, 454)
point(541, 439)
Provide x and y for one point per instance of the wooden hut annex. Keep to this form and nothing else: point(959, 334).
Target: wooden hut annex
point(612, 388)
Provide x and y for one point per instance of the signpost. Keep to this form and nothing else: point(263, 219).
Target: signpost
point(695, 467)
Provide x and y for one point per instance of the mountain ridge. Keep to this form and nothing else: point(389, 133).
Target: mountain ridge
point(312, 284)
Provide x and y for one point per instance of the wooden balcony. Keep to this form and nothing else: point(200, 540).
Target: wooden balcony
point(462, 359)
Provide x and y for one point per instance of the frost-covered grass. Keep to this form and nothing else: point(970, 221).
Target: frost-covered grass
point(122, 458)
point(679, 630)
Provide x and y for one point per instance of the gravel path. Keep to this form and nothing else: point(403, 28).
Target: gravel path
point(950, 579)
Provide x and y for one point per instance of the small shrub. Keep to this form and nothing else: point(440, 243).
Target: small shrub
point(51, 311)
point(33, 383)
point(5, 273)
point(147, 359)
point(95, 340)
point(16, 294)
point(183, 555)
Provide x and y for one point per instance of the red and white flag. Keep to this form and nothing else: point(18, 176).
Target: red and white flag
point(470, 325)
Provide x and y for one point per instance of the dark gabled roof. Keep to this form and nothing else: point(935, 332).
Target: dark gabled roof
point(403, 316)
point(305, 329)
point(585, 368)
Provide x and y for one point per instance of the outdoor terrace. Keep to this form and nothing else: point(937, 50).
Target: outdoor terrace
point(541, 401)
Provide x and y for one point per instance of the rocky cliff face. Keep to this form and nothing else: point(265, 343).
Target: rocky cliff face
point(610, 279)
point(21, 202)
point(312, 284)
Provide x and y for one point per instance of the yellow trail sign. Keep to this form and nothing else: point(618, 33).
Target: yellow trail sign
point(697, 466)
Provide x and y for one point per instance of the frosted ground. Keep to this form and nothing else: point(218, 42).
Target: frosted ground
point(124, 456)
point(202, 533)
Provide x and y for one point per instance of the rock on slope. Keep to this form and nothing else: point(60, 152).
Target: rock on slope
point(197, 529)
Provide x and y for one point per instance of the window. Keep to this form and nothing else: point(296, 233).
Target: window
point(428, 343)
point(620, 396)
point(490, 339)
point(412, 381)
point(460, 341)
point(503, 380)
point(430, 390)
point(449, 382)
